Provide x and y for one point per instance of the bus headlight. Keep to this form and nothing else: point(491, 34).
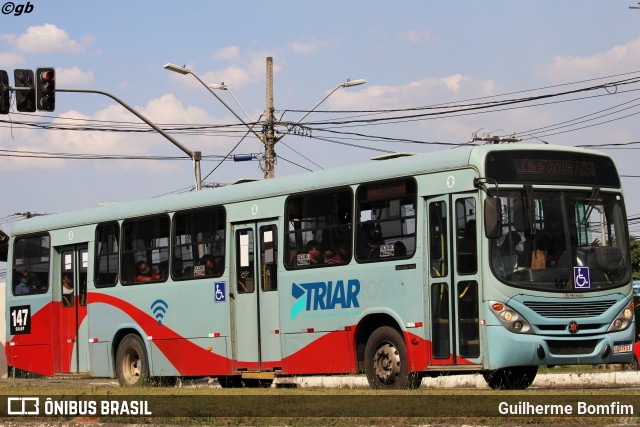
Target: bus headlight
point(510, 319)
point(622, 320)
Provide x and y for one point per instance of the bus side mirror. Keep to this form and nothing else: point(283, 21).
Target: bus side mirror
point(492, 218)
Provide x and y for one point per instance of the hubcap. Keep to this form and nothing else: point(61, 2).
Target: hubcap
point(387, 363)
point(131, 366)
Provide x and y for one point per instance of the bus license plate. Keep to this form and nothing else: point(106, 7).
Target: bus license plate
point(623, 348)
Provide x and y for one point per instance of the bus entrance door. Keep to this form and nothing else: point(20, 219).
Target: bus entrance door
point(71, 332)
point(453, 305)
point(254, 298)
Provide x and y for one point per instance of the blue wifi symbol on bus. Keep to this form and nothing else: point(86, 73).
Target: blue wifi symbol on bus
point(159, 308)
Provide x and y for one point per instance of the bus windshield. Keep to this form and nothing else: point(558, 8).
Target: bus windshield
point(562, 241)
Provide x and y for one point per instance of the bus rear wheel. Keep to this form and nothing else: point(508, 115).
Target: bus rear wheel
point(385, 361)
point(513, 378)
point(132, 366)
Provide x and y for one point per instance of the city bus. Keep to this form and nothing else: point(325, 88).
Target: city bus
point(492, 259)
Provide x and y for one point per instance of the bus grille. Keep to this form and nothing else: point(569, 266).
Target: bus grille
point(570, 309)
point(572, 348)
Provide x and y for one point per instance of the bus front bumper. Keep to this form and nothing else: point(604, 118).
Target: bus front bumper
point(512, 349)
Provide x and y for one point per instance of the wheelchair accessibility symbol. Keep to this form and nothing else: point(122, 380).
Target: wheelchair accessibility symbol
point(220, 295)
point(581, 278)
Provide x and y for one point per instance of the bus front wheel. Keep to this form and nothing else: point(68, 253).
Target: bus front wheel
point(513, 378)
point(385, 361)
point(132, 366)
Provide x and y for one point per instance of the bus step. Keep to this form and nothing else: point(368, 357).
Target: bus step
point(258, 375)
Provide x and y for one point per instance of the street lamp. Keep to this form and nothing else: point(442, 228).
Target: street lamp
point(182, 70)
point(223, 86)
point(348, 83)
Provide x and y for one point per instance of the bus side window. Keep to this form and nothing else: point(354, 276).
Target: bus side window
point(107, 259)
point(386, 214)
point(198, 245)
point(318, 229)
point(31, 265)
point(145, 249)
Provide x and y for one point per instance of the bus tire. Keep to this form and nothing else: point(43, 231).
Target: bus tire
point(132, 366)
point(230, 381)
point(385, 361)
point(513, 378)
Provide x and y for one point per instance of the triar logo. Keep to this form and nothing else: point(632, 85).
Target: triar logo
point(324, 296)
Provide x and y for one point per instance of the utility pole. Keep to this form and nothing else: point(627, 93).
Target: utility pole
point(268, 130)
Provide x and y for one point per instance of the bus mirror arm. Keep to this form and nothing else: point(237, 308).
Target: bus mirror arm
point(482, 181)
point(493, 218)
point(492, 208)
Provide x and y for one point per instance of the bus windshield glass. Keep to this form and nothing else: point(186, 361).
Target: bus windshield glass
point(562, 241)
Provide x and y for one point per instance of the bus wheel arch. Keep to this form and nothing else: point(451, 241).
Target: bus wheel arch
point(382, 354)
point(131, 360)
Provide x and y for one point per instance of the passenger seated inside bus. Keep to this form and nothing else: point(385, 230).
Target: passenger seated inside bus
point(340, 255)
point(28, 283)
point(207, 267)
point(373, 235)
point(144, 274)
point(67, 291)
point(177, 268)
point(399, 249)
point(311, 255)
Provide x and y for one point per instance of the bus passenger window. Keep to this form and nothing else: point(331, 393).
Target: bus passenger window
point(199, 244)
point(386, 228)
point(107, 258)
point(145, 253)
point(31, 265)
point(319, 229)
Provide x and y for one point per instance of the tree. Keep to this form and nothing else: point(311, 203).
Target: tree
point(635, 255)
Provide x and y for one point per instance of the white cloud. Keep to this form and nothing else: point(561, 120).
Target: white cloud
point(234, 77)
point(227, 53)
point(49, 38)
point(618, 59)
point(164, 110)
point(11, 60)
point(418, 37)
point(245, 68)
point(425, 91)
point(73, 77)
point(305, 47)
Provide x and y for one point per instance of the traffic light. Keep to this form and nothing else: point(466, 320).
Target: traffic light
point(5, 101)
point(46, 89)
point(25, 99)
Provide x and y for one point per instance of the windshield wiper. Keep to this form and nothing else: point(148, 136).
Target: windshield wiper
point(529, 224)
point(595, 192)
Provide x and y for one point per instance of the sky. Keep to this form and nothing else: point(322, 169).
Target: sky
point(415, 55)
